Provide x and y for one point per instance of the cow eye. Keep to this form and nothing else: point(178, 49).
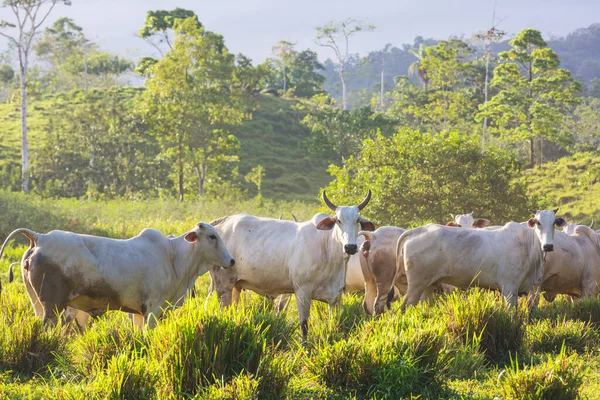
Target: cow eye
point(213, 237)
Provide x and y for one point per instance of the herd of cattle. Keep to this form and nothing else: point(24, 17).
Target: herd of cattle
point(73, 276)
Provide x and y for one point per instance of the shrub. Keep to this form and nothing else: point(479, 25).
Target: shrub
point(557, 379)
point(586, 310)
point(550, 336)
point(240, 387)
point(26, 344)
point(107, 337)
point(482, 316)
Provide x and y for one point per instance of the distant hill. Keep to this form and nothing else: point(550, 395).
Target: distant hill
point(272, 138)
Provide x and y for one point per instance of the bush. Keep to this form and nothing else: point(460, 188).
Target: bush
point(418, 176)
point(26, 344)
point(484, 317)
point(240, 387)
point(557, 379)
point(586, 310)
point(550, 336)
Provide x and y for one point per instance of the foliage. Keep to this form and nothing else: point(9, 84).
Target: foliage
point(159, 24)
point(336, 133)
point(418, 177)
point(550, 336)
point(189, 105)
point(256, 176)
point(534, 96)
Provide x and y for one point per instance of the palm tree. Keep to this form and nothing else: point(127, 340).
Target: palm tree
point(415, 68)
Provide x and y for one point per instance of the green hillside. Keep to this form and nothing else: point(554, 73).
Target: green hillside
point(272, 138)
point(571, 183)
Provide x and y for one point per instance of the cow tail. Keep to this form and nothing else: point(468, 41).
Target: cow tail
point(399, 257)
point(11, 275)
point(366, 245)
point(31, 235)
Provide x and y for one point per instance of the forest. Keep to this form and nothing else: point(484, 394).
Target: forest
point(495, 123)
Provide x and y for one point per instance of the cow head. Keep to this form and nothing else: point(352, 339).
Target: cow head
point(467, 221)
point(208, 241)
point(346, 223)
point(543, 223)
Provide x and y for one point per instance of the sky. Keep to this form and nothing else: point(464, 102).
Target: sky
point(252, 27)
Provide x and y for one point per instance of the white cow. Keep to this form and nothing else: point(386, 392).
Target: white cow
point(278, 257)
point(569, 229)
point(573, 267)
point(468, 221)
point(509, 259)
point(140, 275)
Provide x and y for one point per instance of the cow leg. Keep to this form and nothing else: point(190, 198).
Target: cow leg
point(413, 295)
point(235, 295)
point(533, 299)
point(428, 294)
point(138, 320)
point(370, 289)
point(52, 290)
point(303, 303)
point(384, 296)
point(282, 302)
point(33, 297)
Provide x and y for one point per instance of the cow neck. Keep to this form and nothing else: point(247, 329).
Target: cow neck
point(334, 247)
point(186, 259)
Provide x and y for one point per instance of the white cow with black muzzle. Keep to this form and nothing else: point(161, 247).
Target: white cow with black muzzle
point(277, 257)
point(509, 259)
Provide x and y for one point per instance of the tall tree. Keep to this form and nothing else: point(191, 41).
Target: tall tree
point(158, 27)
point(535, 97)
point(190, 102)
point(283, 51)
point(336, 35)
point(30, 15)
point(415, 68)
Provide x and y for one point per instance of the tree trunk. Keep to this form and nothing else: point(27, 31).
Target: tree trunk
point(344, 104)
point(382, 82)
point(180, 169)
point(531, 152)
point(24, 143)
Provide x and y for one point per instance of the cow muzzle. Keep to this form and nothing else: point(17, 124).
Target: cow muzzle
point(350, 249)
point(231, 264)
point(548, 247)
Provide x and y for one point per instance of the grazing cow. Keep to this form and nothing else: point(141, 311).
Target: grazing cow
point(378, 265)
point(573, 267)
point(467, 221)
point(277, 257)
point(509, 259)
point(93, 274)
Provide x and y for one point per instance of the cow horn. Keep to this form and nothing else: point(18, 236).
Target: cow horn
point(533, 211)
point(364, 203)
point(328, 202)
point(295, 219)
point(556, 211)
point(592, 224)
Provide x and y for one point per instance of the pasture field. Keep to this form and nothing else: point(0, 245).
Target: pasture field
point(466, 345)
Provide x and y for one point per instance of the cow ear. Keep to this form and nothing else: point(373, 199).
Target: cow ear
point(560, 222)
point(451, 223)
point(366, 225)
point(191, 237)
point(531, 222)
point(326, 224)
point(481, 223)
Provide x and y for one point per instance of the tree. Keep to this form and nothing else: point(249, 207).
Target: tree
point(415, 68)
point(336, 36)
point(534, 97)
point(256, 176)
point(418, 178)
point(190, 102)
point(30, 15)
point(159, 25)
point(337, 134)
point(282, 52)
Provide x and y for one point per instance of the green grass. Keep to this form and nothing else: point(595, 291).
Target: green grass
point(467, 345)
point(273, 138)
point(571, 183)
